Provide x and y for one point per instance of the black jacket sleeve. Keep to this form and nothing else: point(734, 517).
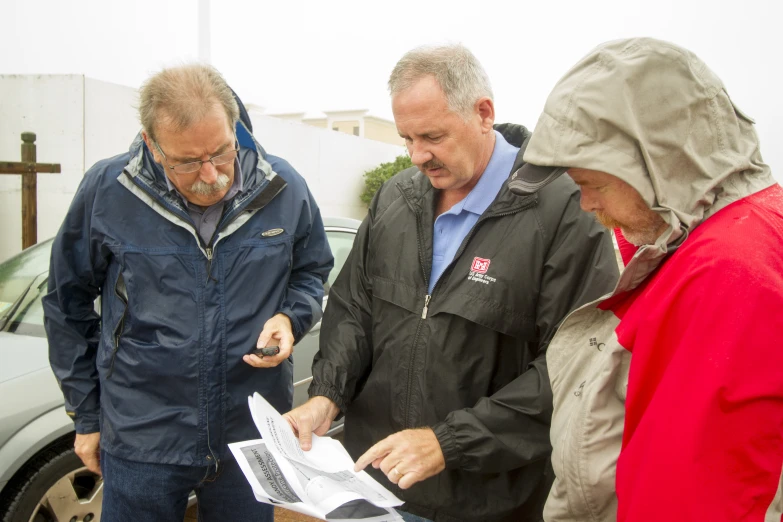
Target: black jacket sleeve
point(511, 428)
point(344, 359)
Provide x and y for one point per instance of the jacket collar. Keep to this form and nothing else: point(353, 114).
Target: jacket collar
point(420, 194)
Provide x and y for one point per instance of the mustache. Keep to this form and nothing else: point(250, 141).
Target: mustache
point(205, 189)
point(432, 164)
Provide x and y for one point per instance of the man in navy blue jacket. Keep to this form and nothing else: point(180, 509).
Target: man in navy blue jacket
point(200, 246)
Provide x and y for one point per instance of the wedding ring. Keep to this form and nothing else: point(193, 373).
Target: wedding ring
point(397, 472)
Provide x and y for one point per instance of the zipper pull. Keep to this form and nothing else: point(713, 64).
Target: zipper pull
point(208, 250)
point(426, 304)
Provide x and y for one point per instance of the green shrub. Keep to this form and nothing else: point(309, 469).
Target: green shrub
point(373, 179)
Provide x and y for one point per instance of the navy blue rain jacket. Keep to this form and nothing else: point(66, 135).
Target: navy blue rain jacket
point(160, 373)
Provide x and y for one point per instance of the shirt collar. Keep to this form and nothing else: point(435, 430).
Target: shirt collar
point(490, 182)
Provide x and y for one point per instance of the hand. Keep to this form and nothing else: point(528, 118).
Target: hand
point(279, 328)
point(314, 416)
point(406, 457)
point(88, 447)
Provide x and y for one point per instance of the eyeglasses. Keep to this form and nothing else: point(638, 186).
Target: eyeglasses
point(217, 160)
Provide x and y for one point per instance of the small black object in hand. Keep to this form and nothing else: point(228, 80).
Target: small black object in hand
point(267, 350)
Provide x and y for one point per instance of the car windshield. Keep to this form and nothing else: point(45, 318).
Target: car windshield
point(23, 281)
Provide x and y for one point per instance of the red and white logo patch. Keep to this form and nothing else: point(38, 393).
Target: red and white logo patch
point(480, 265)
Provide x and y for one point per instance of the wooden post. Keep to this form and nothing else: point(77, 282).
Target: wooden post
point(29, 170)
point(29, 193)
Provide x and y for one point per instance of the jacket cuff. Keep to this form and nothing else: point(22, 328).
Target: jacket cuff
point(296, 326)
point(328, 391)
point(85, 424)
point(448, 445)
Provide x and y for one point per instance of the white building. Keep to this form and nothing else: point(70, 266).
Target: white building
point(359, 123)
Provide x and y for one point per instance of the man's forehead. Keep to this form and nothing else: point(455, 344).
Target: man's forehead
point(580, 175)
point(423, 127)
point(425, 121)
point(424, 95)
point(196, 140)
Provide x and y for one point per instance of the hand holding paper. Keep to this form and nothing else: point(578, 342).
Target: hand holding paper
point(314, 416)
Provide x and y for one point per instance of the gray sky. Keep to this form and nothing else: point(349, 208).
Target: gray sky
point(301, 55)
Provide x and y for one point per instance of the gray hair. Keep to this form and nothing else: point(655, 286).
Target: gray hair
point(459, 74)
point(182, 96)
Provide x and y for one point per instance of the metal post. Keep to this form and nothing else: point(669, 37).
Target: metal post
point(29, 193)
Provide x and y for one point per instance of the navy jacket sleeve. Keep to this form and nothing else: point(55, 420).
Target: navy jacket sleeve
point(76, 274)
point(310, 266)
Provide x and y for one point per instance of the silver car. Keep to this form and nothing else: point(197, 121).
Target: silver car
point(41, 478)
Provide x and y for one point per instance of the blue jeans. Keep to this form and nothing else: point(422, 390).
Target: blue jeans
point(134, 491)
point(409, 517)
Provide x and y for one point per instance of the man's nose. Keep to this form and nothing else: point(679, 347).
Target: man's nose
point(419, 154)
point(208, 173)
point(587, 201)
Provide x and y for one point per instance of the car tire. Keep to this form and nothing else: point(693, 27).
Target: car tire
point(58, 475)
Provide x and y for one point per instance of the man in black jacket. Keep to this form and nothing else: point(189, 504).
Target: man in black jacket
point(434, 340)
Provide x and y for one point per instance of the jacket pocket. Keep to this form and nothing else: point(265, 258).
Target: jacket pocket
point(122, 293)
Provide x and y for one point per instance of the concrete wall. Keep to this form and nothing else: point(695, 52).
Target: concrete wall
point(79, 121)
point(110, 120)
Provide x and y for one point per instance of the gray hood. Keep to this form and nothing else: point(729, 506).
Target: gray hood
point(654, 115)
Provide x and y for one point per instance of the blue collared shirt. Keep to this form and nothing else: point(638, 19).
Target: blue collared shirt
point(207, 219)
point(452, 226)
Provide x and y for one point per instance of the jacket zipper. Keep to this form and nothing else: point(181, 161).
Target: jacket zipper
point(426, 306)
point(428, 297)
point(209, 252)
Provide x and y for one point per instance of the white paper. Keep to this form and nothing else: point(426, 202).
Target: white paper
point(319, 483)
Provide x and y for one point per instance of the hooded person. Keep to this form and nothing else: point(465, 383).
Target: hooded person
point(668, 392)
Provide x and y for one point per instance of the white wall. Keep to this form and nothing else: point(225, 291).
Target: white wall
point(79, 121)
point(110, 120)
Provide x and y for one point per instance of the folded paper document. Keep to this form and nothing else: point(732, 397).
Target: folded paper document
point(320, 483)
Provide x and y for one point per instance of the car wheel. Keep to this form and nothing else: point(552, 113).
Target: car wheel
point(56, 487)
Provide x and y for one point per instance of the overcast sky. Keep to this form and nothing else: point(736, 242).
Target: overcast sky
point(311, 56)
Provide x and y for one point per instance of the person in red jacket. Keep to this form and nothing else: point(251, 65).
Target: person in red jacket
point(668, 393)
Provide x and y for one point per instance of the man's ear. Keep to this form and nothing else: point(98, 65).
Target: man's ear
point(485, 108)
point(152, 148)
